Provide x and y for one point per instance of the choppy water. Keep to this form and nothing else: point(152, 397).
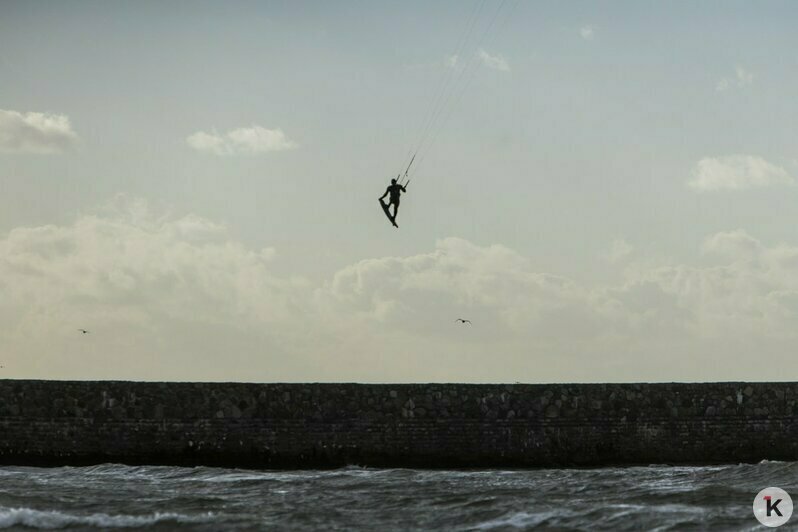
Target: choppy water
point(174, 498)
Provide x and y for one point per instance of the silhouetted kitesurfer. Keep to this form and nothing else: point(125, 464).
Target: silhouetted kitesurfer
point(394, 190)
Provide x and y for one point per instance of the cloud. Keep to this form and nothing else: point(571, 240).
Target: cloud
point(245, 140)
point(620, 250)
point(179, 297)
point(452, 61)
point(704, 319)
point(733, 244)
point(35, 132)
point(153, 289)
point(495, 62)
point(737, 172)
point(587, 32)
point(741, 78)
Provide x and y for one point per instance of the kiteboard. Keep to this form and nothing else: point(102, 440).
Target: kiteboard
point(388, 213)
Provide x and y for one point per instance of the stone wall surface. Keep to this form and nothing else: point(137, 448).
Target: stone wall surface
point(396, 425)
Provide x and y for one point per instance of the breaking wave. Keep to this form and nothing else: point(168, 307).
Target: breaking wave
point(27, 517)
point(659, 497)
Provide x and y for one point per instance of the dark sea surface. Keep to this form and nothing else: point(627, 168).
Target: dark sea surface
point(112, 496)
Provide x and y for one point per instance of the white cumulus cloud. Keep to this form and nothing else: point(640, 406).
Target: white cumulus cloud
point(619, 251)
point(735, 244)
point(496, 62)
point(35, 132)
point(744, 77)
point(179, 297)
point(245, 140)
point(737, 172)
point(587, 32)
point(741, 78)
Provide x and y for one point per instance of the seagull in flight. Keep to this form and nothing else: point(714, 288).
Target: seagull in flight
point(84, 331)
point(461, 320)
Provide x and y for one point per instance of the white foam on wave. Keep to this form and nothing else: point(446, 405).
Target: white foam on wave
point(53, 519)
point(515, 520)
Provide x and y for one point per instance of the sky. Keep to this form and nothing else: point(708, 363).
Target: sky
point(606, 190)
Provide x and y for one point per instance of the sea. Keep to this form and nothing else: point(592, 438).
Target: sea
point(656, 497)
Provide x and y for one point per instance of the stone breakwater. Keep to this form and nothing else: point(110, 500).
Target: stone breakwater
point(395, 425)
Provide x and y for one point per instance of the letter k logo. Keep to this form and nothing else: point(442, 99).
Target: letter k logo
point(772, 506)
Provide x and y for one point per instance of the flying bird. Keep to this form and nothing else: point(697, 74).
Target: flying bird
point(461, 320)
point(84, 331)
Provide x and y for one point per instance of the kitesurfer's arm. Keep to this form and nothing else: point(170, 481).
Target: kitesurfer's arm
point(387, 191)
point(403, 188)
